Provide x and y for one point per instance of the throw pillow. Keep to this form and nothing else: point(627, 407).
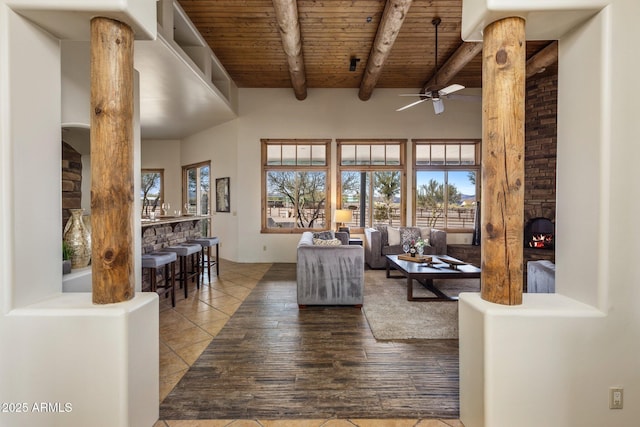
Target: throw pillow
point(425, 232)
point(409, 234)
point(324, 235)
point(327, 242)
point(394, 236)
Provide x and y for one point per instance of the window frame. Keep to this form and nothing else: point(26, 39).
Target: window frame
point(205, 225)
point(266, 168)
point(402, 168)
point(476, 167)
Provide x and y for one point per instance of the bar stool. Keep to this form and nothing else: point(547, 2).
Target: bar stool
point(207, 243)
point(184, 251)
point(155, 260)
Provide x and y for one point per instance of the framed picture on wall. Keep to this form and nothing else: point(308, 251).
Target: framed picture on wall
point(222, 195)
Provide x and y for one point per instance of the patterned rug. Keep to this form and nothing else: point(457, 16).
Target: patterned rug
point(392, 317)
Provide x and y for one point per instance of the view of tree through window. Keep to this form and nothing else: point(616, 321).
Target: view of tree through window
point(295, 185)
point(446, 177)
point(371, 181)
point(151, 191)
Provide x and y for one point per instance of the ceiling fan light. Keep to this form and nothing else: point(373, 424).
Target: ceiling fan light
point(438, 106)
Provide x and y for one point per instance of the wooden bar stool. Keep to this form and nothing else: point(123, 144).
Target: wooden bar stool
point(185, 251)
point(207, 243)
point(155, 260)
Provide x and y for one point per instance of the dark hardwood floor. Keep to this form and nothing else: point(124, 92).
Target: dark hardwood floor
point(274, 361)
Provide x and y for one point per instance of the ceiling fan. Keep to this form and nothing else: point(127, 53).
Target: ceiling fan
point(435, 96)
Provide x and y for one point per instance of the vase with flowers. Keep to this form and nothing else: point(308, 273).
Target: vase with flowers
point(412, 249)
point(416, 247)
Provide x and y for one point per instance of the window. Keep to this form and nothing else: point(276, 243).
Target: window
point(450, 165)
point(295, 185)
point(196, 190)
point(152, 191)
point(371, 181)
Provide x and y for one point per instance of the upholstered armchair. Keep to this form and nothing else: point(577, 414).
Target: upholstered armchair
point(385, 240)
point(329, 271)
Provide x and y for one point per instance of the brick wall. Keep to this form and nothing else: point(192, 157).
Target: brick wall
point(540, 146)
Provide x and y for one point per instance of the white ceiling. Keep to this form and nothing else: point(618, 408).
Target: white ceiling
point(175, 100)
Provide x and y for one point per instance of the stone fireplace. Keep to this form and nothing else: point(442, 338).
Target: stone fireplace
point(539, 233)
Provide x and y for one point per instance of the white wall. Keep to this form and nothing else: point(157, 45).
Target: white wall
point(219, 145)
point(326, 113)
point(552, 360)
point(76, 81)
point(58, 348)
point(34, 99)
point(165, 154)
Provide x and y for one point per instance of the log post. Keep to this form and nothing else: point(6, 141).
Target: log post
point(112, 185)
point(503, 98)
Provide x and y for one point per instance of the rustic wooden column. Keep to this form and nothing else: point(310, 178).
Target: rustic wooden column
point(289, 28)
point(503, 97)
point(112, 189)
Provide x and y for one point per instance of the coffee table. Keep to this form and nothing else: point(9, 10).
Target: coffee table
point(441, 267)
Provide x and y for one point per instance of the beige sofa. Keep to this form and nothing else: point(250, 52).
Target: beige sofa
point(376, 243)
point(329, 275)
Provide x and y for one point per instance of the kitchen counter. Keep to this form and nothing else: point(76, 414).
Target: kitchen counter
point(169, 219)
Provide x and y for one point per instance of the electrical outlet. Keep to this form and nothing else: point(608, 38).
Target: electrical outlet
point(616, 397)
point(264, 248)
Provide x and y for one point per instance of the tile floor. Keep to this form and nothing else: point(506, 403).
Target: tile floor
point(187, 329)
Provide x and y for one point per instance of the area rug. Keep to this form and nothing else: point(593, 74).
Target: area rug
point(392, 317)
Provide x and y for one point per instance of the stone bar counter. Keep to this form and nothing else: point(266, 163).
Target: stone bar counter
point(167, 231)
point(170, 230)
point(156, 234)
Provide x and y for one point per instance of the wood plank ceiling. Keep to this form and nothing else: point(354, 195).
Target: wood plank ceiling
point(244, 36)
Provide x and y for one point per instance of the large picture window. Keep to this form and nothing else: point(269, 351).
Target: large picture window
point(371, 181)
point(446, 181)
point(295, 185)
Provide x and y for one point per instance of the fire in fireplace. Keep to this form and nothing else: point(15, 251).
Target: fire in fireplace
point(539, 233)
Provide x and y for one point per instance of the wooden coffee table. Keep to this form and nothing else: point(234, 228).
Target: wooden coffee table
point(441, 267)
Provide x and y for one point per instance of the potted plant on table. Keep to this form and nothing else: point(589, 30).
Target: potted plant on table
point(67, 252)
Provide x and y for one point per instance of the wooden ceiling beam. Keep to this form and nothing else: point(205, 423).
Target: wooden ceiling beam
point(468, 50)
point(456, 62)
point(541, 60)
point(394, 13)
point(289, 29)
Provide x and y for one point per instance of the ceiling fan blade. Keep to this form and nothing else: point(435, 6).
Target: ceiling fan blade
point(450, 89)
point(438, 106)
point(412, 104)
point(413, 94)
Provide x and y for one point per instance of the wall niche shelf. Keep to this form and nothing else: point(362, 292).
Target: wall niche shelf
point(181, 79)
